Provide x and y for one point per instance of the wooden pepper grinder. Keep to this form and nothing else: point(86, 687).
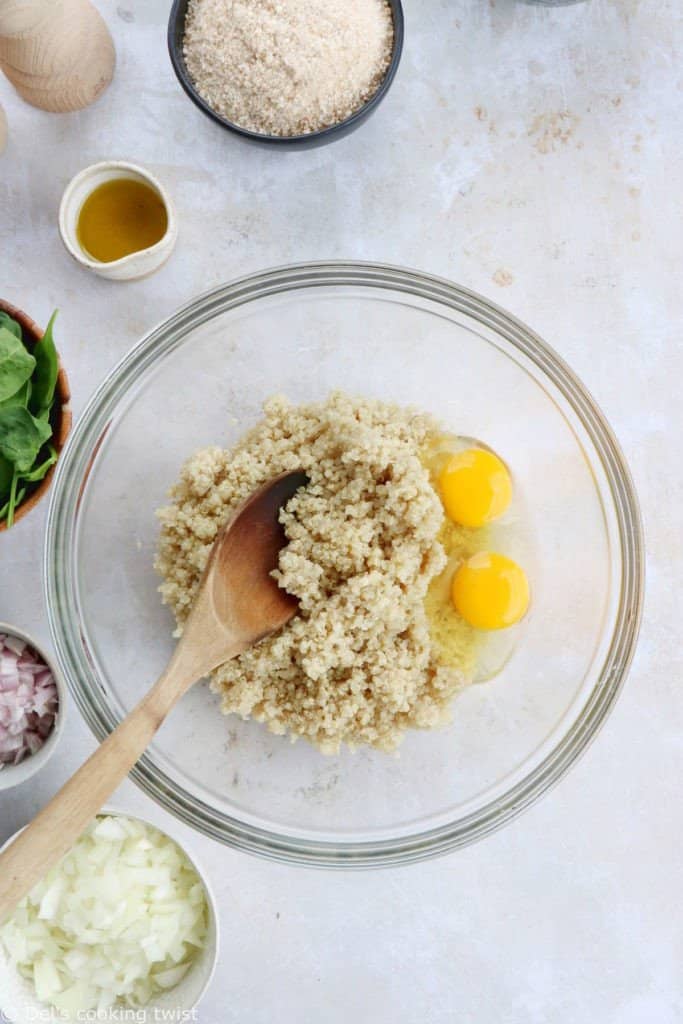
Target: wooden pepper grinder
point(58, 54)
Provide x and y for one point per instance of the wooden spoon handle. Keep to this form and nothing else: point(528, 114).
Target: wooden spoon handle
point(56, 828)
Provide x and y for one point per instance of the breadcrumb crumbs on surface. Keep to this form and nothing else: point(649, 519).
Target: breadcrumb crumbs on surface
point(287, 67)
point(355, 666)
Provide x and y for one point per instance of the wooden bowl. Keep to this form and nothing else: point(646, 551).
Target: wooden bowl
point(60, 417)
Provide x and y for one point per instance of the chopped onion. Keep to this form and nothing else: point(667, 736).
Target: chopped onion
point(28, 701)
point(119, 920)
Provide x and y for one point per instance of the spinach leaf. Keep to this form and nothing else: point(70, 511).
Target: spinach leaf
point(16, 364)
point(27, 391)
point(12, 504)
point(10, 324)
point(21, 437)
point(38, 472)
point(6, 474)
point(45, 375)
point(20, 397)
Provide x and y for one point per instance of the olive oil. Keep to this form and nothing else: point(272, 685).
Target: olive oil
point(120, 217)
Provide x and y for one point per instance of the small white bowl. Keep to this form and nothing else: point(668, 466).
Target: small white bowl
point(137, 264)
point(18, 1003)
point(13, 774)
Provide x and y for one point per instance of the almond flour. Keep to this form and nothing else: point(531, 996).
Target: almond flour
point(287, 67)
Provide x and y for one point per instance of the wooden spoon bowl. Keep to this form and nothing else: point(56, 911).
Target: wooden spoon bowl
point(60, 417)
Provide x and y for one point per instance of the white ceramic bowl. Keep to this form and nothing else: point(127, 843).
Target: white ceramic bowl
point(12, 775)
point(18, 1003)
point(138, 264)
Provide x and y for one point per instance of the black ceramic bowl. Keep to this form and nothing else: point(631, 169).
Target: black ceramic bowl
point(176, 31)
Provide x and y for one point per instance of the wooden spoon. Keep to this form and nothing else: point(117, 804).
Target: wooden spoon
point(238, 603)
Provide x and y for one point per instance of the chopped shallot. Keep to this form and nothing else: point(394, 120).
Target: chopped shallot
point(28, 700)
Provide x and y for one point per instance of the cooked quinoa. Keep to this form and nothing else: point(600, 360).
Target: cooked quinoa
point(355, 665)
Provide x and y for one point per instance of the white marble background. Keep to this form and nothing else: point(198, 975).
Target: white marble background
point(535, 155)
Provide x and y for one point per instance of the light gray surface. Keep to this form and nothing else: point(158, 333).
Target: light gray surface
point(535, 156)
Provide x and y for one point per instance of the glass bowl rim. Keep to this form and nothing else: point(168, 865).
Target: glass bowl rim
point(79, 454)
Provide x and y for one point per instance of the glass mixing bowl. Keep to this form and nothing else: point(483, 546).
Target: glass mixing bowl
point(199, 379)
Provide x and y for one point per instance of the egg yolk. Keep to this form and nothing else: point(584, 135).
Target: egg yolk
point(490, 591)
point(475, 487)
